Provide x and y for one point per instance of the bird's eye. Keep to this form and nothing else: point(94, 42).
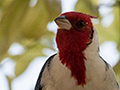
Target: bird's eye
point(80, 24)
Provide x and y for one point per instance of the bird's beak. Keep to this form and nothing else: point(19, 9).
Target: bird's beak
point(63, 22)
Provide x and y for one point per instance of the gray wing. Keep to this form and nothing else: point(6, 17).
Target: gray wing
point(47, 63)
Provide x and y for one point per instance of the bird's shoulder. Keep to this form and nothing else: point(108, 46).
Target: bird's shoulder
point(47, 63)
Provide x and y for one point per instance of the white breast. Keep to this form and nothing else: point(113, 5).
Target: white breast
point(58, 76)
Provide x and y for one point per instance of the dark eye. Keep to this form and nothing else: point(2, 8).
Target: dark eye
point(80, 24)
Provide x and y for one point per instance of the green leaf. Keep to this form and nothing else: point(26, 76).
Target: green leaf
point(22, 61)
point(19, 21)
point(87, 6)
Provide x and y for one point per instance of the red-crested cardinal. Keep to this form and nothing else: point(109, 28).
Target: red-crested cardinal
point(77, 65)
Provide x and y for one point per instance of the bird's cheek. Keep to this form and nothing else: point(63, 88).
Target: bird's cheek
point(88, 41)
point(87, 31)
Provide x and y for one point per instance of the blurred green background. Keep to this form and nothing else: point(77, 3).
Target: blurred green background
point(25, 22)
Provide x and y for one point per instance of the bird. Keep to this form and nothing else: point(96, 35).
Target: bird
point(77, 65)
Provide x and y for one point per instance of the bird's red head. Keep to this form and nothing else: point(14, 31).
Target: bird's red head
point(75, 31)
point(74, 34)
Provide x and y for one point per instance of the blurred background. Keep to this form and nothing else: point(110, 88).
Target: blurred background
point(27, 36)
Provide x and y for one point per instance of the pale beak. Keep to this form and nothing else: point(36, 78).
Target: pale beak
point(63, 22)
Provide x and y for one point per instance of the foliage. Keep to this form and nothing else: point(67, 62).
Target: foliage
point(24, 23)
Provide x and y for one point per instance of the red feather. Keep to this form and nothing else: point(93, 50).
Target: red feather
point(71, 44)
